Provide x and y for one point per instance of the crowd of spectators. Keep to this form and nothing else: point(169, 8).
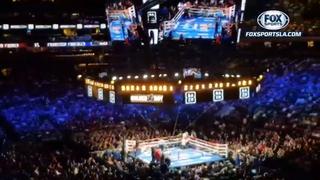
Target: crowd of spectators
point(61, 130)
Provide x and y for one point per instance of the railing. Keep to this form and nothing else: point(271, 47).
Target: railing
point(168, 25)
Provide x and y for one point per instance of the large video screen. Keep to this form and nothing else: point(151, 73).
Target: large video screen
point(120, 24)
point(196, 22)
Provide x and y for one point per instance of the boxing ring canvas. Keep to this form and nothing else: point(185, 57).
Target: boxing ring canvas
point(182, 150)
point(181, 157)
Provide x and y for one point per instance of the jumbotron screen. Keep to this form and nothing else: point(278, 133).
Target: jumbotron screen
point(198, 22)
point(121, 22)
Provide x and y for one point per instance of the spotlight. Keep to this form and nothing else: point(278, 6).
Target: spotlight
point(179, 82)
point(129, 77)
point(176, 74)
point(79, 76)
point(114, 78)
point(206, 74)
point(227, 75)
point(238, 76)
point(145, 76)
point(136, 77)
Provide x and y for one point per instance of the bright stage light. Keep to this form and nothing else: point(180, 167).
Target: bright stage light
point(136, 77)
point(114, 78)
point(227, 75)
point(164, 88)
point(176, 74)
point(145, 76)
point(79, 76)
point(129, 77)
point(206, 74)
point(238, 76)
point(244, 82)
point(179, 82)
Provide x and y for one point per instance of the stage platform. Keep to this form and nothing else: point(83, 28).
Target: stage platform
point(181, 157)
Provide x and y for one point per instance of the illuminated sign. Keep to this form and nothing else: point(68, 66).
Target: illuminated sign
point(68, 26)
point(89, 91)
point(218, 95)
point(55, 26)
point(150, 98)
point(57, 44)
point(153, 35)
point(112, 97)
point(100, 94)
point(273, 20)
point(103, 26)
point(244, 92)
point(43, 26)
point(9, 45)
point(30, 26)
point(190, 97)
point(90, 26)
point(76, 44)
point(5, 26)
point(18, 26)
point(152, 17)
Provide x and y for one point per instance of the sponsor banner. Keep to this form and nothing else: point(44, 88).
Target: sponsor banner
point(273, 22)
point(148, 98)
point(272, 34)
point(9, 45)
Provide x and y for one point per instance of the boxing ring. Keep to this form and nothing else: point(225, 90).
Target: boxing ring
point(182, 150)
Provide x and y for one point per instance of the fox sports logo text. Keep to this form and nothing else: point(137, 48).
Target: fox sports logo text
point(273, 20)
